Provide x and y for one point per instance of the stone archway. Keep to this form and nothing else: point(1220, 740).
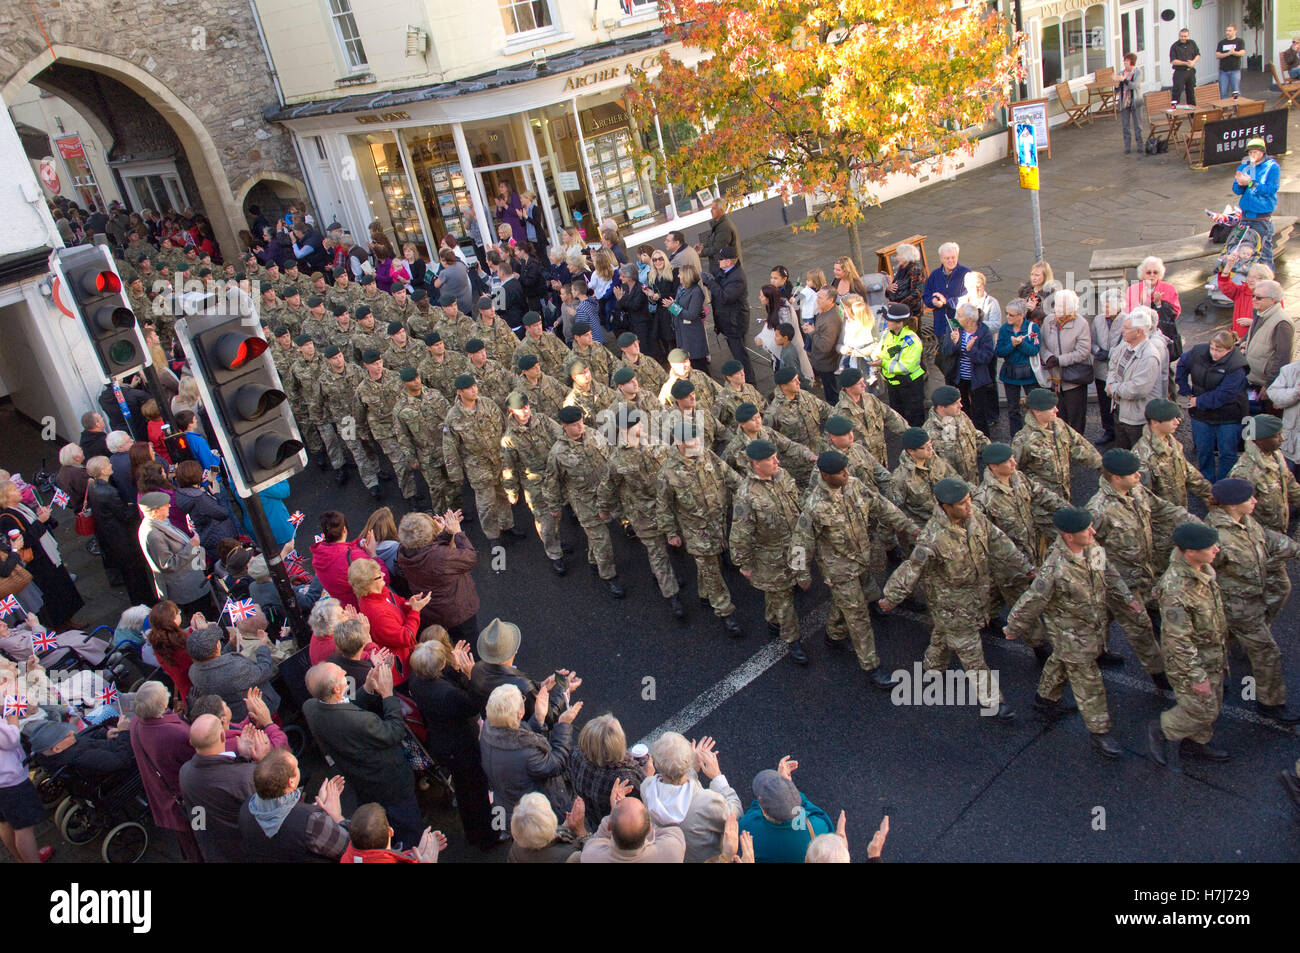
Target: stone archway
point(241, 193)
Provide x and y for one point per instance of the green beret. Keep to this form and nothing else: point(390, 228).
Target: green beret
point(302, 339)
point(577, 366)
point(759, 450)
point(569, 415)
point(397, 289)
point(849, 376)
point(205, 272)
point(464, 382)
point(363, 311)
point(339, 309)
point(516, 400)
point(678, 356)
point(239, 276)
point(745, 412)
point(1040, 398)
point(682, 389)
point(733, 366)
point(332, 351)
point(1195, 536)
point(432, 338)
point(290, 292)
point(945, 395)
point(581, 327)
point(1266, 425)
point(182, 268)
point(279, 330)
point(395, 326)
point(1161, 410)
point(1071, 519)
point(369, 356)
point(484, 303)
point(995, 453)
point(838, 426)
point(474, 345)
point(364, 279)
point(526, 362)
point(832, 461)
point(315, 302)
point(532, 317)
point(407, 374)
point(445, 300)
point(1232, 490)
point(419, 294)
point(951, 490)
point(623, 375)
point(784, 375)
point(626, 339)
point(914, 438)
point(1120, 462)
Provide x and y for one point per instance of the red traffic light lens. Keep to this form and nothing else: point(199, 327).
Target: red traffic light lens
point(107, 282)
point(236, 350)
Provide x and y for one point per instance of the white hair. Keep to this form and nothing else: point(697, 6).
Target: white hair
point(533, 823)
point(118, 441)
point(151, 700)
point(325, 616)
point(69, 453)
point(1151, 261)
point(1065, 302)
point(503, 706)
point(907, 252)
point(827, 849)
point(1141, 318)
point(1269, 289)
point(1112, 296)
point(673, 757)
point(968, 310)
point(949, 247)
point(133, 618)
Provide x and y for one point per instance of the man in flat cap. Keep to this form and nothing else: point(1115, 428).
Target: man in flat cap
point(418, 418)
point(305, 399)
point(763, 516)
point(439, 366)
point(959, 556)
point(525, 447)
point(1045, 445)
point(1193, 633)
point(471, 444)
point(649, 372)
point(377, 395)
point(835, 527)
point(955, 437)
point(548, 349)
point(735, 390)
point(911, 488)
point(1251, 572)
point(794, 412)
point(588, 394)
point(1068, 598)
point(575, 469)
point(1166, 471)
point(796, 459)
point(495, 333)
point(870, 415)
point(544, 392)
point(339, 382)
point(1276, 490)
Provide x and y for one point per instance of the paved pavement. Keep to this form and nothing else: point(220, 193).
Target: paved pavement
point(956, 785)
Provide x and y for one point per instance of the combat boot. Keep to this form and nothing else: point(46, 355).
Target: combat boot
point(1207, 751)
point(558, 567)
point(1163, 751)
point(1106, 746)
point(675, 604)
point(1005, 712)
point(797, 654)
point(732, 626)
point(1061, 706)
point(1278, 713)
point(614, 588)
point(880, 679)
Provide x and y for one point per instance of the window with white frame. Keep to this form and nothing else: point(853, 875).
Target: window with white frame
point(345, 27)
point(638, 8)
point(1074, 45)
point(526, 16)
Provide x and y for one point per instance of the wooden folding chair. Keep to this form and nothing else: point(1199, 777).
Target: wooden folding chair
point(1076, 113)
point(1158, 121)
point(1207, 93)
point(1194, 144)
point(1102, 91)
point(1250, 109)
point(1290, 88)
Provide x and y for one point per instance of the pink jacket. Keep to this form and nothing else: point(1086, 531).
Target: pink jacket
point(161, 746)
point(1133, 297)
point(330, 562)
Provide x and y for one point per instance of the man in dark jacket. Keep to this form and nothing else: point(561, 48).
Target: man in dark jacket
point(119, 458)
point(497, 646)
point(135, 398)
point(731, 307)
point(230, 675)
point(309, 249)
point(367, 748)
point(278, 827)
point(721, 234)
point(510, 304)
point(92, 754)
point(94, 437)
point(824, 332)
point(216, 784)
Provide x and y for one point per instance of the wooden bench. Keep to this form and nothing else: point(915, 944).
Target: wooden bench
point(1116, 263)
point(884, 256)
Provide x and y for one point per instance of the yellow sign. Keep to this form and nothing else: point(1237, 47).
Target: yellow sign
point(1028, 177)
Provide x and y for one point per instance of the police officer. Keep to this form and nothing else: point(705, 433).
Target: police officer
point(901, 365)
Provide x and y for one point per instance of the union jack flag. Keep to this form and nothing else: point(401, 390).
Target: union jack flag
point(189, 524)
point(9, 604)
point(109, 695)
point(241, 610)
point(319, 537)
point(296, 518)
point(44, 641)
point(60, 499)
point(15, 705)
point(293, 560)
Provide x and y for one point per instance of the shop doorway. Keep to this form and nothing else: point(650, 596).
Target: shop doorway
point(520, 177)
point(1134, 37)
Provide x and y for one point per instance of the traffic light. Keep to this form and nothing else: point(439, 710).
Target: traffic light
point(246, 403)
point(94, 294)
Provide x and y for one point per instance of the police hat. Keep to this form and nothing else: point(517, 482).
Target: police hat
point(897, 312)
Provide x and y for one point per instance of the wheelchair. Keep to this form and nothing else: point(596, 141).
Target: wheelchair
point(113, 806)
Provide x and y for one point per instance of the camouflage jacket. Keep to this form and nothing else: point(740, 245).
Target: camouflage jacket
point(1129, 525)
point(631, 485)
point(455, 333)
point(380, 306)
point(691, 500)
point(306, 385)
point(598, 358)
point(404, 313)
point(293, 318)
point(1070, 595)
point(1248, 556)
point(375, 400)
point(835, 526)
point(498, 340)
point(1045, 454)
point(763, 517)
point(795, 458)
point(340, 337)
point(612, 421)
point(524, 451)
point(363, 340)
point(317, 329)
point(911, 487)
point(471, 443)
point(800, 419)
point(493, 381)
point(1194, 625)
point(649, 374)
point(862, 464)
point(349, 297)
point(441, 375)
point(421, 323)
point(590, 402)
point(959, 565)
point(396, 358)
point(957, 441)
point(575, 470)
point(1166, 471)
point(870, 418)
point(1276, 490)
point(706, 425)
point(706, 390)
point(284, 358)
point(1022, 508)
point(418, 422)
point(545, 397)
point(338, 393)
point(551, 354)
point(728, 400)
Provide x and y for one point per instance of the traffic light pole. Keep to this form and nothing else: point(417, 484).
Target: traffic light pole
point(279, 575)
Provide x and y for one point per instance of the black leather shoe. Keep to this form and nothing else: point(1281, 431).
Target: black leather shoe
point(1042, 652)
point(1106, 746)
point(1163, 750)
point(675, 604)
point(513, 533)
point(1206, 752)
point(1005, 712)
point(1161, 681)
point(774, 630)
point(797, 654)
point(1278, 713)
point(1110, 660)
point(1104, 439)
point(375, 492)
point(836, 644)
point(558, 567)
point(341, 476)
point(733, 627)
point(564, 547)
point(614, 588)
point(1059, 707)
point(881, 679)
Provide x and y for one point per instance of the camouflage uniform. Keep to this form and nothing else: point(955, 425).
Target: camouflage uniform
point(524, 452)
point(349, 297)
point(307, 409)
point(340, 337)
point(800, 419)
point(575, 471)
point(706, 425)
point(1128, 526)
point(338, 394)
point(395, 358)
point(911, 488)
point(1193, 636)
point(591, 401)
point(284, 358)
point(598, 359)
point(795, 458)
point(551, 354)
point(379, 303)
point(545, 397)
point(1276, 490)
point(493, 381)
point(691, 503)
point(630, 489)
point(472, 445)
point(499, 341)
point(959, 565)
point(729, 399)
point(363, 340)
point(957, 441)
point(455, 333)
point(862, 464)
point(318, 329)
point(293, 318)
point(649, 374)
point(441, 375)
point(1045, 454)
point(612, 421)
point(869, 419)
point(1248, 560)
point(418, 421)
point(1166, 472)
point(376, 400)
point(763, 515)
point(835, 526)
point(421, 323)
point(706, 390)
point(1068, 598)
point(403, 313)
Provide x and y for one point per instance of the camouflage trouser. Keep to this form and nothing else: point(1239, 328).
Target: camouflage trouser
point(1137, 627)
point(849, 617)
point(548, 530)
point(600, 548)
point(309, 430)
point(1276, 592)
point(1089, 692)
point(778, 609)
point(367, 463)
point(709, 581)
point(444, 495)
point(1194, 715)
point(952, 634)
point(494, 513)
point(656, 548)
point(401, 465)
point(1265, 658)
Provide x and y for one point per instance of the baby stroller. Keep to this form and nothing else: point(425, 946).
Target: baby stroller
point(1242, 247)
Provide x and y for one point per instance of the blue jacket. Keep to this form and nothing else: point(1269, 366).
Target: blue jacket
point(1015, 359)
point(277, 515)
point(952, 287)
point(982, 356)
point(198, 445)
point(1260, 197)
point(783, 843)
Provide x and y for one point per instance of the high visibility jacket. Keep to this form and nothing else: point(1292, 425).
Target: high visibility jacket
point(900, 356)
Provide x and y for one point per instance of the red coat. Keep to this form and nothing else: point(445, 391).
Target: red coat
point(320, 648)
point(156, 438)
point(161, 746)
point(178, 670)
point(354, 856)
point(1242, 305)
point(330, 562)
point(394, 625)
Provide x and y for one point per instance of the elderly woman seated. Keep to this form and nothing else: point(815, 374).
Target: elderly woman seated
point(540, 839)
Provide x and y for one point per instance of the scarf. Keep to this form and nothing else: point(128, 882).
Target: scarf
point(270, 815)
point(48, 544)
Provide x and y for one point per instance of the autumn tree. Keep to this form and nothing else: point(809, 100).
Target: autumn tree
point(824, 97)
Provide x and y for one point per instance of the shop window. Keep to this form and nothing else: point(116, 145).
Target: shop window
point(443, 183)
point(390, 199)
point(1074, 45)
point(525, 16)
point(1094, 37)
point(349, 37)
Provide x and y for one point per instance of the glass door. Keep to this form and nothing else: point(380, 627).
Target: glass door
point(1134, 24)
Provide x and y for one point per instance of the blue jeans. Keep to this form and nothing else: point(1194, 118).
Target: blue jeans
point(1229, 82)
point(1016, 416)
point(1265, 228)
point(1293, 73)
point(1211, 437)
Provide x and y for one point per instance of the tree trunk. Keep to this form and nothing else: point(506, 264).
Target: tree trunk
point(855, 249)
